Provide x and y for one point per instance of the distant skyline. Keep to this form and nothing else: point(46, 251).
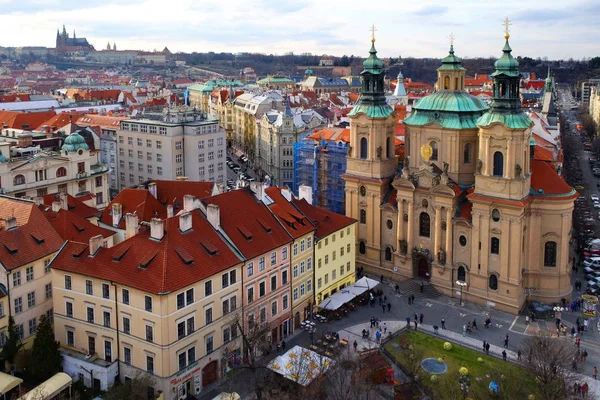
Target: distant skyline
point(555, 29)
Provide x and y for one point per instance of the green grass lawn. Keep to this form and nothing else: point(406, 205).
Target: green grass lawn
point(455, 359)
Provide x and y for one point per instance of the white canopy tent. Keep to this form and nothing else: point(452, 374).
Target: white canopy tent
point(300, 365)
point(362, 285)
point(49, 388)
point(336, 300)
point(8, 382)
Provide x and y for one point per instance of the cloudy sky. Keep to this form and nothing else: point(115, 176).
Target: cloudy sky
point(552, 28)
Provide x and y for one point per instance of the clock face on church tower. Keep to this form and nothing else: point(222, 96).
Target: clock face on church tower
point(363, 191)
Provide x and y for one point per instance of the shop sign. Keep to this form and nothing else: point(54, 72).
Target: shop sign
point(197, 384)
point(185, 374)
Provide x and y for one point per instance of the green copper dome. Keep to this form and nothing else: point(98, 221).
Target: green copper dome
point(449, 109)
point(74, 142)
point(373, 64)
point(451, 62)
point(506, 64)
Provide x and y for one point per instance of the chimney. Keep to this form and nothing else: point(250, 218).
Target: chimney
point(287, 193)
point(188, 203)
point(306, 192)
point(95, 244)
point(213, 214)
point(131, 225)
point(152, 189)
point(259, 190)
point(157, 229)
point(185, 221)
point(170, 211)
point(38, 200)
point(64, 204)
point(117, 210)
point(10, 223)
point(56, 206)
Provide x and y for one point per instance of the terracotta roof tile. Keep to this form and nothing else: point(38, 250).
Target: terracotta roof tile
point(135, 201)
point(545, 178)
point(73, 227)
point(33, 238)
point(326, 222)
point(242, 223)
point(170, 192)
point(293, 220)
point(154, 266)
point(24, 120)
point(60, 120)
point(75, 205)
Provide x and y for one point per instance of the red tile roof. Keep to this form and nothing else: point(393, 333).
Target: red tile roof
point(466, 210)
point(170, 192)
point(535, 85)
point(73, 227)
point(248, 223)
point(75, 205)
point(175, 262)
point(293, 220)
point(326, 222)
point(544, 177)
point(60, 120)
point(135, 201)
point(9, 98)
point(543, 154)
point(24, 120)
point(33, 238)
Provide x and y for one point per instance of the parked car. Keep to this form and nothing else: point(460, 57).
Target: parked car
point(593, 262)
point(596, 204)
point(595, 197)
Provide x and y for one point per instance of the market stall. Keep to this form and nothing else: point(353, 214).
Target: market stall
point(300, 365)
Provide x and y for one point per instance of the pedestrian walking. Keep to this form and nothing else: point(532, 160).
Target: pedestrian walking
point(278, 348)
point(574, 364)
point(595, 375)
point(506, 340)
point(385, 299)
point(443, 323)
point(397, 288)
point(504, 355)
point(378, 336)
point(415, 324)
point(519, 355)
point(389, 306)
point(408, 322)
point(421, 316)
point(487, 348)
point(527, 319)
point(484, 343)
point(384, 327)
point(422, 286)
point(381, 279)
point(409, 300)
point(584, 390)
point(283, 345)
point(372, 322)
point(464, 330)
point(383, 308)
point(475, 324)
point(355, 344)
point(312, 336)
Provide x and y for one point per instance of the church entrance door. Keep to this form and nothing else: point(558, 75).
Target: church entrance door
point(423, 268)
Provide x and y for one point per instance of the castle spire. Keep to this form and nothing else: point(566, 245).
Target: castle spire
point(548, 86)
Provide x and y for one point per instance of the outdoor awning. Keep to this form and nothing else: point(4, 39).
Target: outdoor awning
point(300, 365)
point(50, 388)
point(227, 396)
point(238, 154)
point(336, 300)
point(8, 382)
point(362, 285)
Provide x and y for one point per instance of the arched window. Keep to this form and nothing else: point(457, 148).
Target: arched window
point(550, 254)
point(363, 148)
point(468, 154)
point(363, 217)
point(446, 82)
point(424, 224)
point(362, 247)
point(495, 246)
point(388, 148)
point(493, 282)
point(62, 171)
point(461, 274)
point(434, 154)
point(455, 83)
point(498, 164)
point(388, 254)
point(19, 180)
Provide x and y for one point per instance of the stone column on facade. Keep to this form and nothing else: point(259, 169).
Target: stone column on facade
point(400, 224)
point(486, 161)
point(564, 241)
point(449, 236)
point(409, 226)
point(505, 249)
point(438, 229)
point(510, 167)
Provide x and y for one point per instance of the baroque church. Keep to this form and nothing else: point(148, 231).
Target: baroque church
point(472, 210)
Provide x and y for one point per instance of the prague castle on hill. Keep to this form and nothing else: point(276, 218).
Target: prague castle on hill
point(63, 40)
point(472, 202)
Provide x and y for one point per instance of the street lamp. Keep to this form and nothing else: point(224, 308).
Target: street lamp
point(465, 383)
point(461, 284)
point(557, 315)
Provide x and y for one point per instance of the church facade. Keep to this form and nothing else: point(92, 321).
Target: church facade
point(471, 210)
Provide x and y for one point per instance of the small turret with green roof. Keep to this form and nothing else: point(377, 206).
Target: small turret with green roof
point(74, 142)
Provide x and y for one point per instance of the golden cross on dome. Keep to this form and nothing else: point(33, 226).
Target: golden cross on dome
point(451, 38)
point(507, 25)
point(373, 29)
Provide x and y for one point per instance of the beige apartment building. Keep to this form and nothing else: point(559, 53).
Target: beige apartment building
point(165, 147)
point(28, 244)
point(28, 172)
point(163, 303)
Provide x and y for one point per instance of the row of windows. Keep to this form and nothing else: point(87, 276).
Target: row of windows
point(262, 286)
point(333, 275)
point(262, 313)
point(364, 148)
point(261, 261)
point(140, 156)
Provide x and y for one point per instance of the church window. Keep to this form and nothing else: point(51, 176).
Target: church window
point(362, 247)
point(389, 224)
point(493, 282)
point(462, 240)
point(455, 83)
point(434, 153)
point(363, 217)
point(19, 180)
point(495, 215)
point(498, 164)
point(468, 154)
point(363, 148)
point(424, 222)
point(446, 82)
point(388, 148)
point(550, 254)
point(495, 247)
point(388, 254)
point(461, 274)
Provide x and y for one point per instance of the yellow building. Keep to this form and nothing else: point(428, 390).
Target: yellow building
point(335, 243)
point(164, 302)
point(471, 204)
point(3, 314)
point(28, 244)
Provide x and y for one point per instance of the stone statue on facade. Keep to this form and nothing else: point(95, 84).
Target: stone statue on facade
point(405, 168)
point(518, 170)
point(442, 256)
point(379, 151)
point(446, 165)
point(349, 150)
point(479, 166)
point(403, 247)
